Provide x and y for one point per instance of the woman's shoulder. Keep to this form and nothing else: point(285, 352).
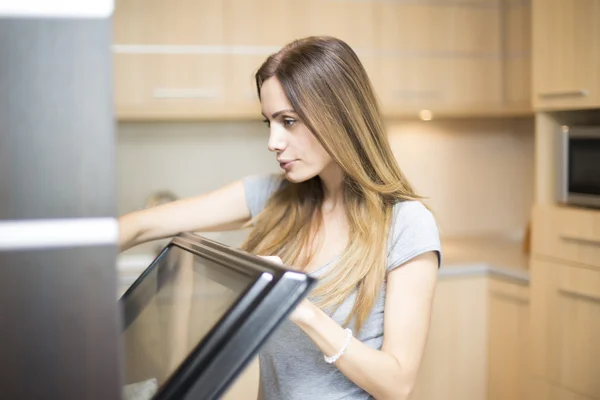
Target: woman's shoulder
point(410, 212)
point(414, 230)
point(258, 188)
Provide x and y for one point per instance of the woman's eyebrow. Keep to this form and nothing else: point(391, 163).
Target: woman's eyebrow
point(278, 113)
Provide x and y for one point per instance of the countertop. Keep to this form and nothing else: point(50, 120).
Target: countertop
point(462, 256)
point(492, 254)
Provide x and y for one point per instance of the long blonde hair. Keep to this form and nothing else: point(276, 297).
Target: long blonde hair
point(330, 91)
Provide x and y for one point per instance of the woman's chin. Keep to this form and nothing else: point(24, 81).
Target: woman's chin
point(298, 176)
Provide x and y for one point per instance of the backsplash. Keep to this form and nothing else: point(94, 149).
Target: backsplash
point(476, 174)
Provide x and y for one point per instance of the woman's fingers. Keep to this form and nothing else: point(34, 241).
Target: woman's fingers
point(274, 259)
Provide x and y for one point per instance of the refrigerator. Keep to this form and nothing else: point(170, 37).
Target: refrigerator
point(189, 324)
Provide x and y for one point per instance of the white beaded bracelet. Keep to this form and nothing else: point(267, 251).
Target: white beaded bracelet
point(334, 358)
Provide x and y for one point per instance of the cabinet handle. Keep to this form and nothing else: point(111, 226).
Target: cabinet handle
point(512, 299)
point(568, 93)
point(579, 295)
point(185, 93)
point(417, 94)
point(589, 242)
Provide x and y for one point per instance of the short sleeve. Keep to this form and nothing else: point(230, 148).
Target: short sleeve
point(258, 189)
point(414, 231)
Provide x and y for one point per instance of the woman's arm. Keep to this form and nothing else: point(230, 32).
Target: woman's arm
point(389, 373)
point(221, 209)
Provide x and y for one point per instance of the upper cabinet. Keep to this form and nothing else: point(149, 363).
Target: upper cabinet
point(159, 22)
point(516, 34)
point(253, 30)
point(440, 57)
point(196, 59)
point(168, 59)
point(353, 21)
point(566, 36)
point(468, 58)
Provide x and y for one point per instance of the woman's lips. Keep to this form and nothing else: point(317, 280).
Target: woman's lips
point(286, 164)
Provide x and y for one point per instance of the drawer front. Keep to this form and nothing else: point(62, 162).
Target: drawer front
point(566, 233)
point(565, 322)
point(169, 85)
point(542, 390)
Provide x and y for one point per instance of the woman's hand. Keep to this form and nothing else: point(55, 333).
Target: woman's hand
point(304, 311)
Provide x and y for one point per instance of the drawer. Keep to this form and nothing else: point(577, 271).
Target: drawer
point(567, 233)
point(542, 390)
point(170, 86)
point(565, 326)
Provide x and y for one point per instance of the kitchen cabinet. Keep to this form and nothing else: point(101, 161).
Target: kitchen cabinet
point(444, 58)
point(566, 37)
point(478, 342)
point(566, 326)
point(454, 365)
point(166, 61)
point(542, 390)
point(508, 373)
point(253, 30)
point(178, 86)
point(516, 32)
point(570, 234)
point(355, 22)
point(196, 59)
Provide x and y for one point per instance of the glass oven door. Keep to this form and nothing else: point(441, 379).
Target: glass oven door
point(198, 315)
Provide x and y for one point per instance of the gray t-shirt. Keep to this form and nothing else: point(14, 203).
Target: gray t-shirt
point(291, 365)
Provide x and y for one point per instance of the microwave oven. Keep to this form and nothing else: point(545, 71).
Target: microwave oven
point(578, 169)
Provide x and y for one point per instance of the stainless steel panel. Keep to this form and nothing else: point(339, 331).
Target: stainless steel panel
point(56, 119)
point(59, 324)
point(59, 313)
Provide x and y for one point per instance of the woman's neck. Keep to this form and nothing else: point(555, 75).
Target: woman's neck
point(332, 179)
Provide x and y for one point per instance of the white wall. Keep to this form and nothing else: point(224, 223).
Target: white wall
point(477, 174)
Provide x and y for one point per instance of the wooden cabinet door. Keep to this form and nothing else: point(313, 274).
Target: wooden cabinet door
point(454, 365)
point(565, 322)
point(353, 21)
point(508, 340)
point(543, 390)
point(170, 86)
point(516, 26)
point(565, 54)
point(177, 22)
point(253, 30)
point(169, 59)
point(568, 233)
point(441, 57)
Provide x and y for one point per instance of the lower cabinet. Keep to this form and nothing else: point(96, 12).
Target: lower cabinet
point(543, 390)
point(477, 346)
point(508, 335)
point(566, 327)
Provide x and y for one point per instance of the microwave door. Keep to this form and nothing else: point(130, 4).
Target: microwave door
point(198, 315)
point(583, 170)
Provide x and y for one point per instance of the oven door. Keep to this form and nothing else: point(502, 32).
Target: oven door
point(579, 173)
point(198, 315)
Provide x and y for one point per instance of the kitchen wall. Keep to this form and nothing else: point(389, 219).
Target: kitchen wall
point(477, 174)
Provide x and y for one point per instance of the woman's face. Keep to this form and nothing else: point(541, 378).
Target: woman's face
point(299, 153)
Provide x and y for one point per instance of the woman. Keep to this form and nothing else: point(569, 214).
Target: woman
point(342, 212)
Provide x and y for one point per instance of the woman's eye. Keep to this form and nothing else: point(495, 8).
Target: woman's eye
point(289, 121)
point(266, 121)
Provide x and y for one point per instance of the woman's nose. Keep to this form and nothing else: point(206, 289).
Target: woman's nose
point(277, 140)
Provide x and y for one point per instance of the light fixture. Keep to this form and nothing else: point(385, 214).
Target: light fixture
point(426, 115)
